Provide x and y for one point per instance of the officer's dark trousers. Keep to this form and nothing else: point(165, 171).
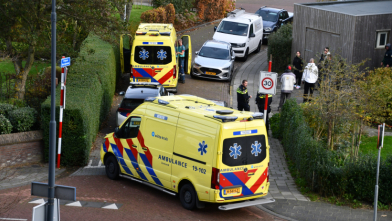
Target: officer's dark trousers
point(244, 107)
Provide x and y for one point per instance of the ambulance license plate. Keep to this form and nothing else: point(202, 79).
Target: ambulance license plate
point(210, 73)
point(143, 80)
point(234, 191)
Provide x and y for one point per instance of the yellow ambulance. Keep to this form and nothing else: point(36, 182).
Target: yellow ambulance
point(153, 55)
point(190, 146)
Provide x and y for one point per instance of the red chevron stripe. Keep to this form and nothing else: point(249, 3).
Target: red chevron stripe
point(223, 181)
point(133, 150)
point(166, 77)
point(107, 144)
point(147, 153)
point(119, 145)
point(260, 181)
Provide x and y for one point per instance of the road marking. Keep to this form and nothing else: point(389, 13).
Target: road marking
point(99, 165)
point(38, 201)
point(77, 204)
point(12, 219)
point(111, 206)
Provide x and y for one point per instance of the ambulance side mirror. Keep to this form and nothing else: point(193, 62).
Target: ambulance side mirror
point(116, 132)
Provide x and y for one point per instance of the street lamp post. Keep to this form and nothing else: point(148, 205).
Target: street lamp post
point(52, 124)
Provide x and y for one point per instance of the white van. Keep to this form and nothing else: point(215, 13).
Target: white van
point(243, 30)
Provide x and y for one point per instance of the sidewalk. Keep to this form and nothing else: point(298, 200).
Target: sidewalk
point(289, 203)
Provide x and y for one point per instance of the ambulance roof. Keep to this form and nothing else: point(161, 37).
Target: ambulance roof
point(145, 27)
point(201, 107)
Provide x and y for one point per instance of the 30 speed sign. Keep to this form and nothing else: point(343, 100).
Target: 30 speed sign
point(268, 82)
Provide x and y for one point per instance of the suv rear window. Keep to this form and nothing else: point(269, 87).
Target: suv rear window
point(153, 54)
point(131, 103)
point(244, 150)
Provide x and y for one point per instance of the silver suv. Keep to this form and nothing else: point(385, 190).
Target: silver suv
point(215, 60)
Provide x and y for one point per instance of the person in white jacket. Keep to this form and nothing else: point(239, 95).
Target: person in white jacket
point(309, 78)
point(288, 80)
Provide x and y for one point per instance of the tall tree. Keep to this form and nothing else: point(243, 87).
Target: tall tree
point(25, 27)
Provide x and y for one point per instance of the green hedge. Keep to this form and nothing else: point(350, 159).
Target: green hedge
point(328, 172)
point(23, 119)
point(6, 108)
point(5, 125)
point(279, 45)
point(91, 85)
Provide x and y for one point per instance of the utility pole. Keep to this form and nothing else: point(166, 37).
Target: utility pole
point(52, 124)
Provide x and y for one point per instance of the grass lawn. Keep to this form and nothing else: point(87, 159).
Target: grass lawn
point(136, 12)
point(6, 66)
point(368, 146)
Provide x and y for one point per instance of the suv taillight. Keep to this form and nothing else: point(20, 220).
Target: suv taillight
point(174, 72)
point(215, 178)
point(268, 173)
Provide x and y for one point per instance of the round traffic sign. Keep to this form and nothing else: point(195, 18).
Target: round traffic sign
point(267, 83)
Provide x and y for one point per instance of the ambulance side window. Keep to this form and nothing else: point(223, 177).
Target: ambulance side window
point(131, 128)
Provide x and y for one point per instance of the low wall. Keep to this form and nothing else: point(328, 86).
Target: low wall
point(21, 148)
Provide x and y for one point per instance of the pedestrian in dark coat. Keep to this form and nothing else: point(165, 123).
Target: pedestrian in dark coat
point(387, 61)
point(243, 97)
point(260, 101)
point(298, 64)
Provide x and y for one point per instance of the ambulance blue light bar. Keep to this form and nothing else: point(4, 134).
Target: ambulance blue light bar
point(258, 115)
point(140, 33)
point(163, 102)
point(226, 118)
point(153, 43)
point(150, 99)
point(245, 132)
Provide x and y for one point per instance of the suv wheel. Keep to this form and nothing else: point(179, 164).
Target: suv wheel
point(188, 196)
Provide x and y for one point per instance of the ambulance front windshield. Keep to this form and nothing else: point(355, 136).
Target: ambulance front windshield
point(244, 150)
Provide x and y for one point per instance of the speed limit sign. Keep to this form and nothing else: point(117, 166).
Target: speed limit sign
point(268, 82)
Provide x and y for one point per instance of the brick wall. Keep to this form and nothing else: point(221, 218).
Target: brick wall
point(20, 148)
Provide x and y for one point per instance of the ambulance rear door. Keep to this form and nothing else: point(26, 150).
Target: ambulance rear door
point(125, 53)
point(186, 41)
point(243, 151)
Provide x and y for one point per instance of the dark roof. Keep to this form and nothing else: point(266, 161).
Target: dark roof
point(355, 8)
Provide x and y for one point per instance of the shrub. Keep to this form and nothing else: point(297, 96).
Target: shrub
point(330, 173)
point(5, 125)
point(275, 122)
point(6, 108)
point(23, 119)
point(159, 15)
point(211, 10)
point(90, 88)
point(279, 45)
point(179, 5)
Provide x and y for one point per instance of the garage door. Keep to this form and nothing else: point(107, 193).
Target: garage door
point(317, 40)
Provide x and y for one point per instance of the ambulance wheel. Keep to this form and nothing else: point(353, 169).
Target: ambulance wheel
point(188, 196)
point(112, 168)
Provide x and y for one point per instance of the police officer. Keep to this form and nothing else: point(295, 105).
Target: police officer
point(260, 101)
point(387, 61)
point(243, 97)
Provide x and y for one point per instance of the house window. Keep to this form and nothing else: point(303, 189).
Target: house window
point(382, 39)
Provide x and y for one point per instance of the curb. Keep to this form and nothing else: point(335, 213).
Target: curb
point(198, 26)
point(275, 214)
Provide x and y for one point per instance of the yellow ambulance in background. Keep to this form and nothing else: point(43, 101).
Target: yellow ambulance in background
point(153, 55)
point(190, 146)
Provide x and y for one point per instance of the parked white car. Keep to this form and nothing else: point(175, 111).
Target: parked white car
point(244, 31)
